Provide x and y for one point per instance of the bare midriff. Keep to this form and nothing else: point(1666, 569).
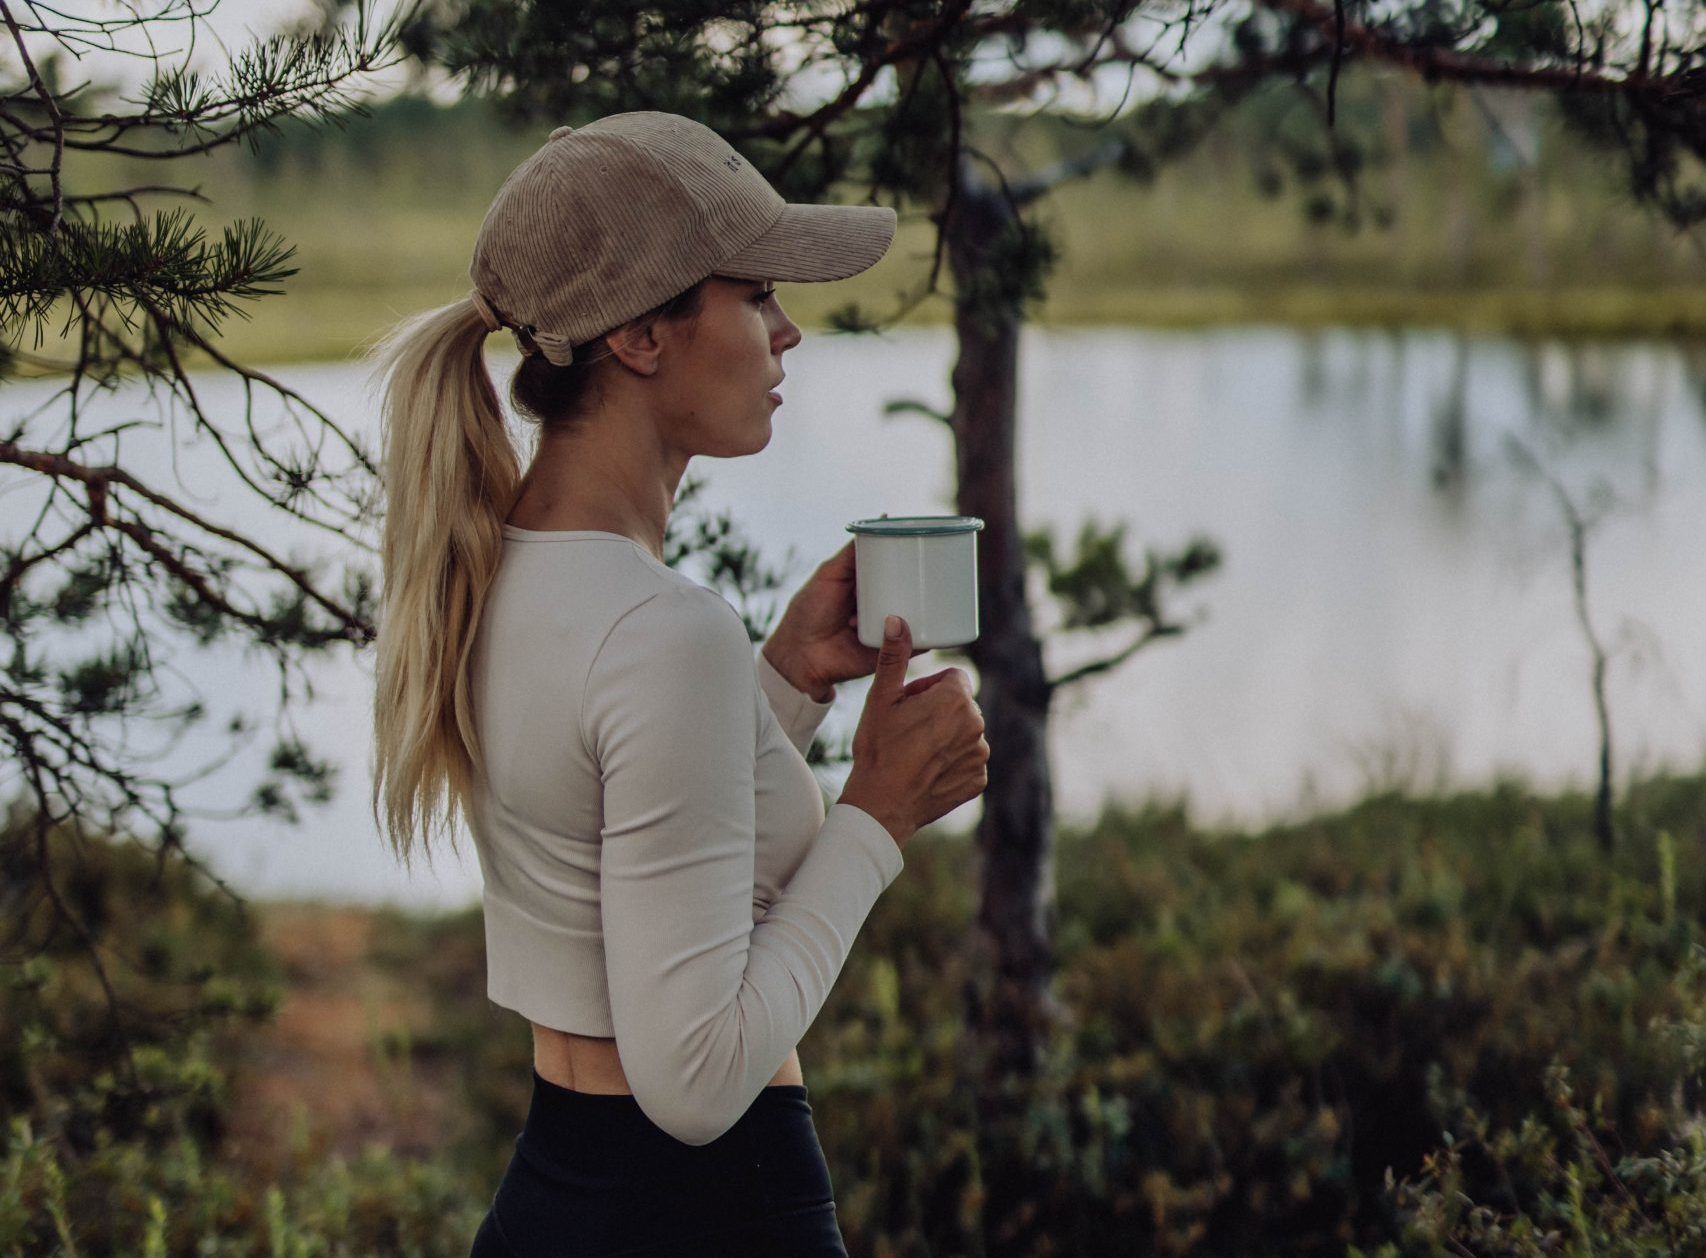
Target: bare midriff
point(588, 1063)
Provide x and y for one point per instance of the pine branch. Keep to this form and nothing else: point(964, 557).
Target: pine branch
point(107, 550)
point(164, 263)
point(295, 483)
point(101, 480)
point(278, 78)
point(1433, 62)
point(1110, 662)
point(52, 108)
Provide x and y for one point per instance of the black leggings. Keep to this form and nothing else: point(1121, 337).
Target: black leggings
point(593, 1177)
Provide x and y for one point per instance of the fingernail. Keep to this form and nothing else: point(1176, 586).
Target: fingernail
point(891, 627)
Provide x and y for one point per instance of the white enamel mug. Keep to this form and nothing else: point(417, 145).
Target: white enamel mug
point(922, 568)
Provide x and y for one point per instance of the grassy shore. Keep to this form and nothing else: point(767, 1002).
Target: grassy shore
point(1451, 236)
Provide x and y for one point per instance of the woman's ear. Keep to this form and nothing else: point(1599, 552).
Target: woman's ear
point(636, 347)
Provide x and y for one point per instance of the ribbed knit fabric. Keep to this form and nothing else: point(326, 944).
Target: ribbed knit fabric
point(608, 220)
point(658, 862)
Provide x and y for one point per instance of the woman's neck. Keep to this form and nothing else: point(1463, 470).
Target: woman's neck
point(587, 481)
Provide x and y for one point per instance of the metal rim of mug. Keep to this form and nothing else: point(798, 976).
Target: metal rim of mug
point(916, 525)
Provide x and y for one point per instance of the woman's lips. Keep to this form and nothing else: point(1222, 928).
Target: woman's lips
point(774, 397)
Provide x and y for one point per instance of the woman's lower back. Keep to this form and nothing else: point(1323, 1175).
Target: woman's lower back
point(589, 1063)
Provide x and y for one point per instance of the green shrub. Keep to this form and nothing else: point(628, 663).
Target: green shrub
point(112, 1127)
point(1416, 1026)
point(1555, 1185)
point(121, 1200)
point(1254, 1021)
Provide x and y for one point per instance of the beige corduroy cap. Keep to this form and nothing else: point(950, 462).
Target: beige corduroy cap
point(608, 220)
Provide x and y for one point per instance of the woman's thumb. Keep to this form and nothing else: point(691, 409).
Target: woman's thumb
point(892, 658)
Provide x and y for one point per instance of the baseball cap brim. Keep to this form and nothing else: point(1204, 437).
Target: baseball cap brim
point(809, 243)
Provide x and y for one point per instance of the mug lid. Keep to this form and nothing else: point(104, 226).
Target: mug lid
point(916, 525)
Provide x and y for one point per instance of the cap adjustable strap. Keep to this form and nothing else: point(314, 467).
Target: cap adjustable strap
point(488, 316)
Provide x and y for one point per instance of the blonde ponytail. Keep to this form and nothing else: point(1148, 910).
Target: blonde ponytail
point(450, 474)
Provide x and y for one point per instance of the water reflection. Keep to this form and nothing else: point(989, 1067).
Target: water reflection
point(1451, 418)
point(1615, 395)
point(1692, 355)
point(1396, 601)
point(1394, 609)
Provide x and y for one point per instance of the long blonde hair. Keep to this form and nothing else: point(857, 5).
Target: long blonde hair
point(450, 474)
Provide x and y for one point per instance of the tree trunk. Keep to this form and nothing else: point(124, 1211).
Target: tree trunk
point(1009, 1008)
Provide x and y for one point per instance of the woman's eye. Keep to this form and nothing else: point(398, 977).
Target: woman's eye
point(765, 296)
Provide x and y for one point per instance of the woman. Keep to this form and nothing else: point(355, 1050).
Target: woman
point(666, 899)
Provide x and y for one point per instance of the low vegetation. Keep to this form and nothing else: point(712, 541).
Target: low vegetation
point(1418, 1026)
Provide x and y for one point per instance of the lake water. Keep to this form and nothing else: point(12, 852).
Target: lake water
point(1394, 605)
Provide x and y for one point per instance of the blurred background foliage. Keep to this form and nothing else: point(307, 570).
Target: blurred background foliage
point(1417, 1026)
point(1473, 209)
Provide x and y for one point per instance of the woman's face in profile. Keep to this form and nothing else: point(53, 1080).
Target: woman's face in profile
point(722, 375)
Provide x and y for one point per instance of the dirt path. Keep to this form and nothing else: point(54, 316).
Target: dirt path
point(331, 1072)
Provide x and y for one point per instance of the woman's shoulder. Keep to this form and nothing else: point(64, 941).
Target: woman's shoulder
point(616, 599)
point(681, 653)
point(677, 613)
point(575, 580)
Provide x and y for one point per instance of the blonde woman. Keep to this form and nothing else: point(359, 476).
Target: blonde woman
point(666, 899)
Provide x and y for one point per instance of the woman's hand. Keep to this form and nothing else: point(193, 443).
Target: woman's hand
point(919, 751)
point(816, 643)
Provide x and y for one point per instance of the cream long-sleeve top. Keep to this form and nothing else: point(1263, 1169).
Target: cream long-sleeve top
point(658, 862)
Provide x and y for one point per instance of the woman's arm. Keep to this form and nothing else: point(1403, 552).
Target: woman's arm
point(797, 711)
point(706, 1004)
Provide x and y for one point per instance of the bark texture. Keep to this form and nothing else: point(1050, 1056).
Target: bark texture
point(1009, 1007)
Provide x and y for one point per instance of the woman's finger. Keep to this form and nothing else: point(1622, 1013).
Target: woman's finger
point(922, 684)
